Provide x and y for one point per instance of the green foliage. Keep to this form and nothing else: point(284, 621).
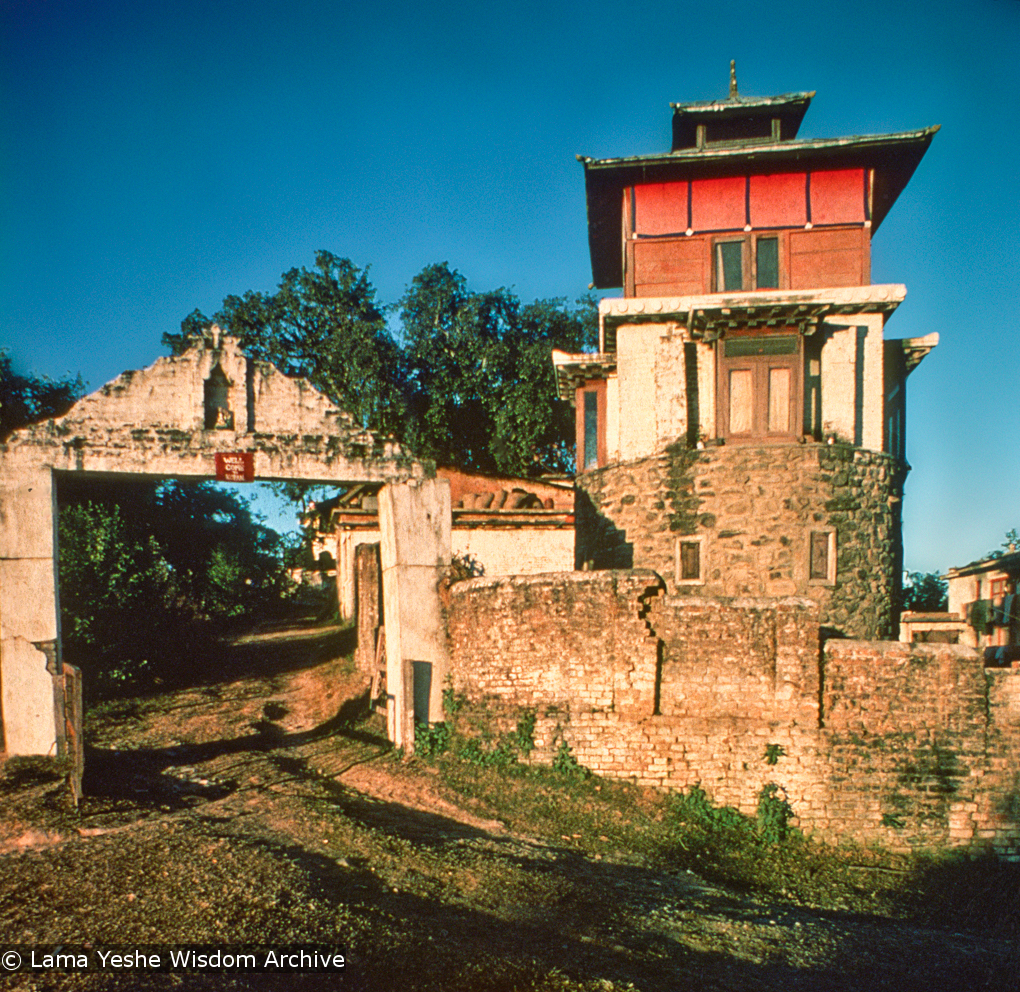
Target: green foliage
point(323, 325)
point(464, 566)
point(773, 752)
point(480, 381)
point(470, 382)
point(25, 399)
point(474, 752)
point(524, 735)
point(146, 569)
point(565, 763)
point(453, 702)
point(431, 740)
point(925, 592)
point(774, 814)
point(695, 808)
point(481, 751)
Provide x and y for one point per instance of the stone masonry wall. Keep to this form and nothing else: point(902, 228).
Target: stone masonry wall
point(903, 744)
point(754, 509)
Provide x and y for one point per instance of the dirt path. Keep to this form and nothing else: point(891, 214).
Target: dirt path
point(256, 811)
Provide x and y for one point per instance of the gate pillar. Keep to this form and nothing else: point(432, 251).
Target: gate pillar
point(414, 520)
point(29, 611)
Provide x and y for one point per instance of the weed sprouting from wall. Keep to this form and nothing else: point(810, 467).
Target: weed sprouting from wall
point(774, 814)
point(566, 764)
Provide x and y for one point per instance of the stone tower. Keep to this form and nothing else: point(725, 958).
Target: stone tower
point(741, 429)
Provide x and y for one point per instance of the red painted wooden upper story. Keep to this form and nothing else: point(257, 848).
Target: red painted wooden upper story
point(739, 203)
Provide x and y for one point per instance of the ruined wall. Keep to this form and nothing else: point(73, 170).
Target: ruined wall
point(922, 743)
point(754, 509)
point(171, 419)
point(556, 638)
point(908, 745)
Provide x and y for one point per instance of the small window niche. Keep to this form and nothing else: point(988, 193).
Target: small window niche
point(689, 560)
point(218, 415)
point(823, 557)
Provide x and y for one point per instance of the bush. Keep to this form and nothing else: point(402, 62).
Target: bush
point(774, 814)
point(148, 571)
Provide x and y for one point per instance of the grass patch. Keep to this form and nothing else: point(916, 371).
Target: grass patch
point(760, 855)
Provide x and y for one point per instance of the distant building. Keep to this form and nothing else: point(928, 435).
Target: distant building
point(741, 429)
point(502, 525)
point(984, 595)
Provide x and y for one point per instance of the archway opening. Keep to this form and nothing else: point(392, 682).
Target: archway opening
point(160, 578)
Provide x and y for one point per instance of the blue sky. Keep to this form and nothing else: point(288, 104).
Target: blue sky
point(156, 157)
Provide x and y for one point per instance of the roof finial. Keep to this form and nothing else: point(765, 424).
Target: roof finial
point(733, 79)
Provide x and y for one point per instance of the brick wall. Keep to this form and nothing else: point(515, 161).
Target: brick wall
point(906, 732)
point(754, 509)
point(904, 744)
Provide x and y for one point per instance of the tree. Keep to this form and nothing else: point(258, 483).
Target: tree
point(925, 592)
point(481, 387)
point(469, 383)
point(25, 399)
point(149, 570)
point(323, 325)
point(1011, 544)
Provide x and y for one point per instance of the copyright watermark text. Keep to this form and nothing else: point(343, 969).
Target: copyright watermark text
point(172, 957)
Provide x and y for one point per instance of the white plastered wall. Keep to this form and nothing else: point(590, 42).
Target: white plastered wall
point(517, 551)
point(612, 418)
point(29, 612)
point(636, 347)
point(840, 379)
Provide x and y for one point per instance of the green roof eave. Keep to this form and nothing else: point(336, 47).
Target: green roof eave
point(742, 104)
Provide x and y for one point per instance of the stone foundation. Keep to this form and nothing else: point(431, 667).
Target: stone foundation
point(753, 509)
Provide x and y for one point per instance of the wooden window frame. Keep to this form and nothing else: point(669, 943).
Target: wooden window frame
point(699, 541)
point(597, 386)
point(760, 366)
point(830, 551)
point(749, 260)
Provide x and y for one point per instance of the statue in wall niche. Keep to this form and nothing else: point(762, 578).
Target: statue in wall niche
point(218, 415)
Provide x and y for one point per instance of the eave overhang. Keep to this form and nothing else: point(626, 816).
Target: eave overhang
point(1009, 563)
point(789, 108)
point(709, 316)
point(894, 157)
point(573, 371)
point(915, 349)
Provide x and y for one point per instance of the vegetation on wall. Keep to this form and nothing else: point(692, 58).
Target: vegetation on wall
point(681, 459)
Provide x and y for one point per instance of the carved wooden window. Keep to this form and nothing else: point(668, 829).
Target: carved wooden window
point(760, 387)
point(590, 400)
point(591, 429)
point(750, 262)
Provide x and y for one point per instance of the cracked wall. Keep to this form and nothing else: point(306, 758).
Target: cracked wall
point(910, 745)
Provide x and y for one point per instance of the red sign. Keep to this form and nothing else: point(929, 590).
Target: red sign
point(236, 466)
